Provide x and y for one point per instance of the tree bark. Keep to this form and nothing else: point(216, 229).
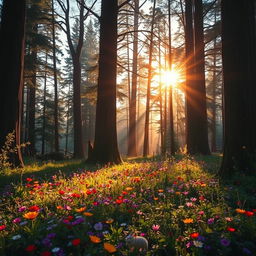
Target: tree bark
point(146, 127)
point(239, 65)
point(132, 140)
point(105, 148)
point(11, 71)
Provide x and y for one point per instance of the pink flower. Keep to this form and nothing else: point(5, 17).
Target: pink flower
point(201, 213)
point(155, 227)
point(2, 227)
point(17, 220)
point(189, 204)
point(22, 208)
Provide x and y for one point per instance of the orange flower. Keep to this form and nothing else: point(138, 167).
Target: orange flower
point(187, 221)
point(240, 211)
point(109, 221)
point(59, 207)
point(160, 190)
point(177, 193)
point(194, 235)
point(30, 215)
point(82, 209)
point(109, 247)
point(128, 189)
point(88, 214)
point(155, 198)
point(95, 239)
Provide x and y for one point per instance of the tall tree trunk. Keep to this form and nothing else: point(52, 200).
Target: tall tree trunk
point(172, 143)
point(202, 145)
point(132, 140)
point(105, 143)
point(239, 65)
point(151, 43)
point(11, 71)
point(56, 115)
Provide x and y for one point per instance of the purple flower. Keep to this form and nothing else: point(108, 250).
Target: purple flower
point(189, 244)
point(47, 242)
point(17, 220)
point(78, 221)
point(22, 208)
point(98, 226)
point(225, 242)
point(210, 221)
point(51, 235)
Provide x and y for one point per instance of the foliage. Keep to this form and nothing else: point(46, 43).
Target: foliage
point(178, 206)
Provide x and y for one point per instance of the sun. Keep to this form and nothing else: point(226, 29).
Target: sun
point(170, 78)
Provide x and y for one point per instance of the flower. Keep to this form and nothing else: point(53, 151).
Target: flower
point(95, 239)
point(76, 242)
point(210, 221)
point(30, 248)
point(82, 209)
point(109, 221)
point(30, 215)
point(155, 227)
point(198, 244)
point(231, 229)
point(2, 227)
point(22, 208)
point(194, 235)
point(88, 214)
point(16, 237)
point(17, 220)
point(55, 249)
point(249, 213)
point(109, 247)
point(45, 253)
point(187, 221)
point(34, 208)
point(240, 211)
point(225, 242)
point(98, 226)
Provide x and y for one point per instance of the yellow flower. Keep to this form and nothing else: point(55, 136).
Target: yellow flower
point(88, 214)
point(240, 211)
point(95, 239)
point(30, 215)
point(109, 247)
point(82, 209)
point(187, 221)
point(128, 188)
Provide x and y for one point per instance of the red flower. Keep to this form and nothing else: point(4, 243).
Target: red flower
point(29, 179)
point(70, 218)
point(249, 213)
point(194, 235)
point(34, 208)
point(231, 229)
point(202, 198)
point(76, 242)
point(31, 248)
point(61, 192)
point(75, 195)
point(2, 227)
point(46, 253)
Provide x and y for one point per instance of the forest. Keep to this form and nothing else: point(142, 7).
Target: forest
point(127, 127)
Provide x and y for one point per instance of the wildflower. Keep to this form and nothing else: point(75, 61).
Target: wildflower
point(55, 249)
point(2, 227)
point(210, 221)
point(30, 248)
point(240, 211)
point(189, 244)
point(189, 204)
point(88, 214)
point(109, 221)
point(194, 235)
point(231, 229)
point(45, 253)
point(249, 213)
point(225, 242)
point(30, 215)
point(76, 242)
point(128, 188)
point(98, 226)
point(198, 244)
point(187, 221)
point(17, 220)
point(201, 212)
point(95, 239)
point(16, 237)
point(109, 247)
point(228, 219)
point(155, 227)
point(82, 209)
point(29, 179)
point(193, 199)
point(22, 208)
point(34, 208)
point(23, 223)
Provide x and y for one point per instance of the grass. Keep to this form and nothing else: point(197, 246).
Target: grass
point(178, 205)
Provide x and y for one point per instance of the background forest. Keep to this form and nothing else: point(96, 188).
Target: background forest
point(127, 127)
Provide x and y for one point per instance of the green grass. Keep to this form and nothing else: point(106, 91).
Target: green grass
point(179, 205)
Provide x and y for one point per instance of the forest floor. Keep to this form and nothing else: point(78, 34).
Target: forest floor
point(178, 205)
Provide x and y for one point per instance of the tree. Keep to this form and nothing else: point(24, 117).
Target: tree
point(239, 65)
point(197, 131)
point(105, 149)
point(11, 71)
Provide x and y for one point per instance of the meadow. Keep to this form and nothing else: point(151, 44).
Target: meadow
point(177, 204)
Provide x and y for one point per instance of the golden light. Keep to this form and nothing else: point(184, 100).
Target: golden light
point(170, 78)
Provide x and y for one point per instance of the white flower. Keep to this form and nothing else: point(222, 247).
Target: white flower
point(123, 224)
point(55, 249)
point(16, 237)
point(198, 244)
point(105, 232)
point(23, 223)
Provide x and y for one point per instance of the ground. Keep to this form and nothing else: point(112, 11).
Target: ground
point(178, 205)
